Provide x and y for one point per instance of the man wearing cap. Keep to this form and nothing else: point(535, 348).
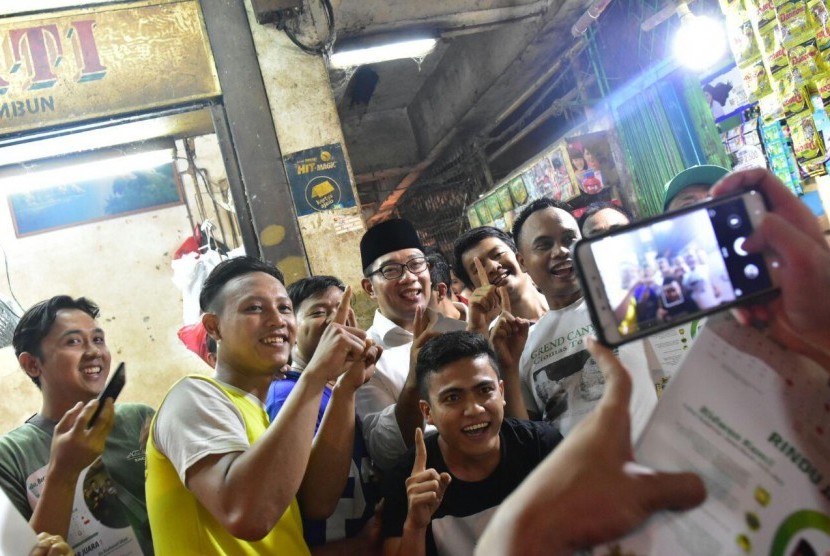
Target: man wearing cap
point(691, 186)
point(396, 276)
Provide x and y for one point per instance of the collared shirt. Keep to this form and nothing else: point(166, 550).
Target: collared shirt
point(375, 400)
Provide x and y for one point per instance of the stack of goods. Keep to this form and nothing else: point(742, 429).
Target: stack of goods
point(780, 157)
point(782, 48)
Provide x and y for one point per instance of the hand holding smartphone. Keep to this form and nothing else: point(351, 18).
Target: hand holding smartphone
point(111, 390)
point(673, 268)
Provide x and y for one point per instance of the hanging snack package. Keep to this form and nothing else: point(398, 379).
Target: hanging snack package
point(742, 40)
point(772, 44)
point(756, 80)
point(792, 16)
point(731, 7)
point(822, 86)
point(805, 61)
point(807, 144)
point(794, 101)
point(771, 107)
point(818, 13)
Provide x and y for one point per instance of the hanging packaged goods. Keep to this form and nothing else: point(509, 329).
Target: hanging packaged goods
point(782, 50)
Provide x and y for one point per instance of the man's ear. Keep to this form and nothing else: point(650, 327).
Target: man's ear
point(441, 290)
point(367, 286)
point(425, 411)
point(501, 390)
point(30, 363)
point(211, 323)
point(521, 261)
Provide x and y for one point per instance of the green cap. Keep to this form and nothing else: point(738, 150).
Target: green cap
point(706, 174)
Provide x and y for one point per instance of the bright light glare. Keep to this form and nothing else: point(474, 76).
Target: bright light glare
point(406, 49)
point(699, 43)
point(29, 181)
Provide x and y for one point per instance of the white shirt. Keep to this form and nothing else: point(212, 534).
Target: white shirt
point(375, 401)
point(561, 381)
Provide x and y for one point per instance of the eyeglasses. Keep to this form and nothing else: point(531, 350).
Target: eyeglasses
point(393, 271)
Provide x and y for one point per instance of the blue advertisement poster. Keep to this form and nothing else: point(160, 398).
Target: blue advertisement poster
point(319, 179)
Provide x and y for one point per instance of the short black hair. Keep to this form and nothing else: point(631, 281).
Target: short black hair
point(226, 271)
point(594, 208)
point(304, 288)
point(36, 323)
point(439, 272)
point(470, 239)
point(537, 205)
point(447, 348)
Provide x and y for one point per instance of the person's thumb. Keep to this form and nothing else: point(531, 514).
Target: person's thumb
point(671, 491)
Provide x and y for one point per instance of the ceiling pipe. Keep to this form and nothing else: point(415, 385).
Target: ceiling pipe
point(591, 15)
point(556, 108)
point(449, 24)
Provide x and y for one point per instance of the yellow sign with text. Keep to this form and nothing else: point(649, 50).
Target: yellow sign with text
point(87, 64)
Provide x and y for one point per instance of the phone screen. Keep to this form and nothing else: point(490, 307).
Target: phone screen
point(674, 268)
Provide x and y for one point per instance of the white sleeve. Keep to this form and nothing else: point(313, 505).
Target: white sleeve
point(195, 420)
point(375, 403)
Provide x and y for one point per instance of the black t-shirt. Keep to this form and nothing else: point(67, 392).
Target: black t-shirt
point(467, 507)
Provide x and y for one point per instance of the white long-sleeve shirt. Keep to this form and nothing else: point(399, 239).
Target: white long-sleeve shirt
point(376, 399)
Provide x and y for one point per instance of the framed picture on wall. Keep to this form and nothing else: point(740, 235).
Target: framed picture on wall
point(484, 216)
point(83, 202)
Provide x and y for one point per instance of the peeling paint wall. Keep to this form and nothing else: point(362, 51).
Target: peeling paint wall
point(305, 116)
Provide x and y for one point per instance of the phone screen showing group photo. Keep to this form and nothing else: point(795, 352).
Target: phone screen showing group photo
point(672, 269)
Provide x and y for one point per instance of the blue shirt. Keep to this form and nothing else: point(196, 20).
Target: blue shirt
point(357, 502)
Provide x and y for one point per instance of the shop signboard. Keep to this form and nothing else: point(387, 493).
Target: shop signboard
point(319, 179)
point(91, 63)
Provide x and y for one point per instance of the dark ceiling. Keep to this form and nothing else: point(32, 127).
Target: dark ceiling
point(499, 64)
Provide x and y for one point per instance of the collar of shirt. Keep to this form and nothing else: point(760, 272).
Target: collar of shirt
point(387, 333)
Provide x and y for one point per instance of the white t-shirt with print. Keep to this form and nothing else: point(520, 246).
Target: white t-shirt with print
point(561, 381)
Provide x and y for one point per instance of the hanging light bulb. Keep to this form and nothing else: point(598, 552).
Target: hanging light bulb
point(700, 41)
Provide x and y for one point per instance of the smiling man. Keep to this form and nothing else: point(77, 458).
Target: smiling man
point(396, 276)
point(49, 464)
point(441, 495)
point(220, 480)
point(497, 253)
point(561, 382)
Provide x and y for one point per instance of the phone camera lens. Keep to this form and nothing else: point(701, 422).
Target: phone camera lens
point(734, 221)
point(751, 271)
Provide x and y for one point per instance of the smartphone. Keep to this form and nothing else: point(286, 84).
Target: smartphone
point(673, 268)
point(111, 390)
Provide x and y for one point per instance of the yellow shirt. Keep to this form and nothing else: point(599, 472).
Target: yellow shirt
point(182, 526)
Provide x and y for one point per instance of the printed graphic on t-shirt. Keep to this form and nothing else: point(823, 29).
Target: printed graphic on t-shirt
point(98, 525)
point(577, 374)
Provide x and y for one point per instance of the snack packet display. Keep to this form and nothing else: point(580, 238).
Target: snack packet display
point(805, 61)
point(807, 144)
point(795, 24)
point(742, 39)
point(756, 79)
point(772, 44)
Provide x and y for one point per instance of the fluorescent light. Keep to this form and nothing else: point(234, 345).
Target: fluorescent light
point(417, 48)
point(700, 41)
point(86, 171)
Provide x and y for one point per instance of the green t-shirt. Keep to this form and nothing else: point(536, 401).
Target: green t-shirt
point(110, 509)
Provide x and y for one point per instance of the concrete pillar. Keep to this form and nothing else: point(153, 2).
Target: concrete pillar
point(305, 116)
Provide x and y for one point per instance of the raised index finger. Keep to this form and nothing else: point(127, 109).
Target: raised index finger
point(342, 312)
point(483, 280)
point(420, 452)
point(504, 297)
